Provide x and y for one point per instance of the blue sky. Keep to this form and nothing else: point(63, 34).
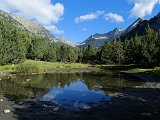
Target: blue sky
point(93, 16)
point(73, 8)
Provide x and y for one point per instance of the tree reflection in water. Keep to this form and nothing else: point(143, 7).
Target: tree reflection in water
point(68, 88)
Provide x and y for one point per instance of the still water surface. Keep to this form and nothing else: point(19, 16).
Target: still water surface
point(69, 90)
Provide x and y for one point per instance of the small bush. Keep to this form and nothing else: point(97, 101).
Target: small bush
point(28, 68)
point(157, 70)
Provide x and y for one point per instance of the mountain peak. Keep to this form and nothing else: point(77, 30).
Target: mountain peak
point(98, 40)
point(138, 21)
point(133, 25)
point(118, 29)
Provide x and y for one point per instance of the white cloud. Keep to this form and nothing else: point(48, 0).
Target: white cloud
point(84, 29)
point(41, 11)
point(114, 17)
point(89, 17)
point(143, 8)
point(54, 29)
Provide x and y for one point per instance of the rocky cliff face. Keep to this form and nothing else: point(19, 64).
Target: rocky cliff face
point(99, 40)
point(66, 42)
point(35, 28)
point(136, 27)
point(133, 26)
point(8, 17)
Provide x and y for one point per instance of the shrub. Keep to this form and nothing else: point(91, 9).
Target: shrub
point(157, 70)
point(28, 68)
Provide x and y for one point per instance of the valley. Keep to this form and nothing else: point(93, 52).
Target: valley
point(110, 76)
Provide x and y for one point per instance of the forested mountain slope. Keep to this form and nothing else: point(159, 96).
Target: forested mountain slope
point(32, 28)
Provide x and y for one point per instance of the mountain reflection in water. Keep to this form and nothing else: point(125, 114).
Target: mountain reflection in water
point(77, 92)
point(68, 89)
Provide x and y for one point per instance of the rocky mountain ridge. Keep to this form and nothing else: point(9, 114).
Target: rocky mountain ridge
point(35, 28)
point(138, 27)
point(32, 28)
point(98, 40)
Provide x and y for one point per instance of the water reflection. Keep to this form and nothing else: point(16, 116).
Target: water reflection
point(68, 90)
point(75, 94)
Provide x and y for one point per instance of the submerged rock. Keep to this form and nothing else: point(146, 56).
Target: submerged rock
point(81, 106)
point(56, 108)
point(97, 87)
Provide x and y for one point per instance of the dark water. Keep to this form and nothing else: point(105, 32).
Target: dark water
point(69, 90)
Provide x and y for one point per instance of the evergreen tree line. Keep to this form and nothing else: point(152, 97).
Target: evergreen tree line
point(17, 45)
point(142, 50)
point(14, 44)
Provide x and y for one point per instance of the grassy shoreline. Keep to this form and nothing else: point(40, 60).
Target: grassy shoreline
point(44, 67)
point(54, 67)
point(132, 69)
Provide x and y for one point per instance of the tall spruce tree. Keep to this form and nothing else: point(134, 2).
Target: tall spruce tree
point(89, 54)
point(106, 53)
point(117, 52)
point(50, 53)
point(149, 49)
point(38, 49)
point(72, 56)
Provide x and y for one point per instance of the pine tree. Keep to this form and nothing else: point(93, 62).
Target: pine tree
point(117, 55)
point(38, 49)
point(72, 56)
point(126, 51)
point(80, 55)
point(106, 53)
point(17, 48)
point(4, 58)
point(50, 53)
point(13, 48)
point(89, 54)
point(148, 47)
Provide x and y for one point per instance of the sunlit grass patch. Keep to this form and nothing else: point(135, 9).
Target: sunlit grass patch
point(8, 68)
point(28, 68)
point(140, 70)
point(31, 66)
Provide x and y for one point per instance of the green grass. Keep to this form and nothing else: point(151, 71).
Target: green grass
point(8, 68)
point(31, 66)
point(47, 65)
point(153, 72)
point(131, 68)
point(28, 68)
point(139, 70)
point(114, 65)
